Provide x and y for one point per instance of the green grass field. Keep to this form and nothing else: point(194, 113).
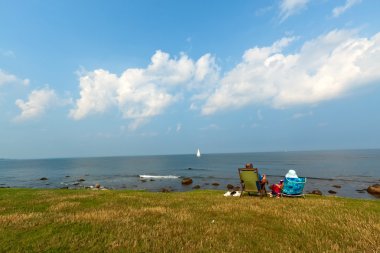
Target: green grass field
point(197, 221)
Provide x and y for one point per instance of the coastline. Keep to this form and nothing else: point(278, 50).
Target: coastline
point(348, 173)
point(325, 187)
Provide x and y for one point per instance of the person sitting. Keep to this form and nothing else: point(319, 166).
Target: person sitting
point(277, 188)
point(249, 166)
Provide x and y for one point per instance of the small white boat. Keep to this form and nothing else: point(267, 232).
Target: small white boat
point(198, 153)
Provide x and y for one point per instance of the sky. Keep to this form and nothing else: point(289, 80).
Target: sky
point(113, 78)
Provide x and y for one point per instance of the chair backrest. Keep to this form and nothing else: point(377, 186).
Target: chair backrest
point(249, 178)
point(293, 186)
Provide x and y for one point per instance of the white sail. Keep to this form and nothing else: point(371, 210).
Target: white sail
point(198, 153)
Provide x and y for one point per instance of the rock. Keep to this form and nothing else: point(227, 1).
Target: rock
point(316, 192)
point(215, 184)
point(81, 180)
point(152, 179)
point(332, 192)
point(189, 168)
point(374, 189)
point(64, 187)
point(187, 181)
point(143, 180)
point(361, 190)
point(97, 186)
point(43, 178)
point(337, 186)
point(230, 187)
point(67, 176)
point(166, 190)
point(197, 186)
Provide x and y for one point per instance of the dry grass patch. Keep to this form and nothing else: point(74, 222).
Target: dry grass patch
point(201, 221)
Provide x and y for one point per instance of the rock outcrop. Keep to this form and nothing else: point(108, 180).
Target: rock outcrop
point(316, 192)
point(187, 181)
point(374, 189)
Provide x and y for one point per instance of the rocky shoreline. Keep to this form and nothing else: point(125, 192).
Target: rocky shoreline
point(188, 183)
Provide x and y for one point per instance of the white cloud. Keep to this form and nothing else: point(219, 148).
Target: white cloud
point(6, 78)
point(324, 68)
point(98, 91)
point(38, 102)
point(341, 9)
point(291, 7)
point(143, 93)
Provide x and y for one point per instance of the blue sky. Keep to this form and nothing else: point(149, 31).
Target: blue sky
point(105, 78)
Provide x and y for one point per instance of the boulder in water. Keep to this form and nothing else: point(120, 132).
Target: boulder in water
point(230, 187)
point(187, 181)
point(197, 186)
point(337, 186)
point(374, 189)
point(316, 192)
point(332, 192)
point(215, 184)
point(43, 178)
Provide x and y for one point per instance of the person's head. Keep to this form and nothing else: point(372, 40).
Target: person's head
point(249, 165)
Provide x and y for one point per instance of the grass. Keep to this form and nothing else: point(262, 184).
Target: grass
point(198, 221)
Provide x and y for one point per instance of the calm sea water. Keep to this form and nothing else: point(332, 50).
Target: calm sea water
point(351, 169)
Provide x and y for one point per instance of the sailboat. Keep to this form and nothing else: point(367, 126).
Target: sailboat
point(198, 153)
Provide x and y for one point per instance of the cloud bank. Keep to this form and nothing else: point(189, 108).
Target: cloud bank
point(324, 68)
point(142, 93)
point(327, 67)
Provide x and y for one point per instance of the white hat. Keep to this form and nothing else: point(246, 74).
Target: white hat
point(291, 174)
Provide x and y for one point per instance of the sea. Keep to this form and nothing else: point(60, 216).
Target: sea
point(346, 172)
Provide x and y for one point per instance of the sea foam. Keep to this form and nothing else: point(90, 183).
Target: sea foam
point(151, 176)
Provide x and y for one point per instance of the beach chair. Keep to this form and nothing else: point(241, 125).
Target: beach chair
point(250, 182)
point(293, 187)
